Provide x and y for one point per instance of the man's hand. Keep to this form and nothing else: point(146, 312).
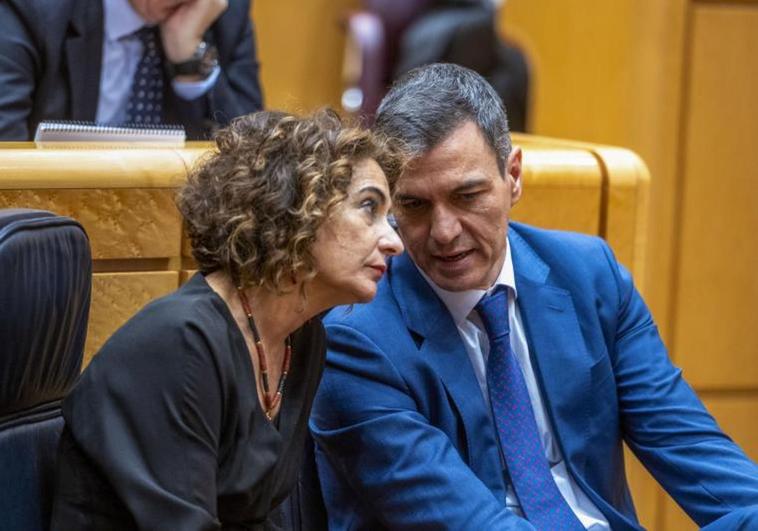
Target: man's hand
point(183, 30)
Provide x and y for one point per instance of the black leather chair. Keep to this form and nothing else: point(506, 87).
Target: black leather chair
point(45, 282)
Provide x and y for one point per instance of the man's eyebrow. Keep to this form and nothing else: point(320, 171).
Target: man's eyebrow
point(468, 184)
point(399, 196)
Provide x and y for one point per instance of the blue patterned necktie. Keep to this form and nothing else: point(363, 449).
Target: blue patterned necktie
point(540, 499)
point(146, 97)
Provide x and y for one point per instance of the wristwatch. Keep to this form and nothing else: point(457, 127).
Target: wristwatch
point(202, 62)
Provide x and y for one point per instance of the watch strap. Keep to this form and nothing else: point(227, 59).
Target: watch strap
point(202, 62)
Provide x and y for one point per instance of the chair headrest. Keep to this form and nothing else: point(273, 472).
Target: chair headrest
point(45, 283)
point(397, 14)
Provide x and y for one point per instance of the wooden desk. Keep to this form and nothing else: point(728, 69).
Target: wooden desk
point(124, 198)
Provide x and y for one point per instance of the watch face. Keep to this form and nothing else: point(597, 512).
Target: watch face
point(209, 60)
point(202, 62)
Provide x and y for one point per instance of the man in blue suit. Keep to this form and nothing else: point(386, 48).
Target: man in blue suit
point(493, 379)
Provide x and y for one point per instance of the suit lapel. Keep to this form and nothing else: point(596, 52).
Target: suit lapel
point(557, 350)
point(426, 315)
point(442, 348)
point(84, 50)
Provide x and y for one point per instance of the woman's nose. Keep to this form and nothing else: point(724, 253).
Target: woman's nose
point(389, 242)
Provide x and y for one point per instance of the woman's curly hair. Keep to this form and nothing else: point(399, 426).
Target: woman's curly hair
point(252, 209)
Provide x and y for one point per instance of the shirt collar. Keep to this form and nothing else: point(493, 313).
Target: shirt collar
point(121, 19)
point(461, 303)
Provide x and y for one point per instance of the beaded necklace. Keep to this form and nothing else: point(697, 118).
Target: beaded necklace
point(270, 400)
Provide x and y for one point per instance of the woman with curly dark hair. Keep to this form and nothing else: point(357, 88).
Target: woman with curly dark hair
point(194, 414)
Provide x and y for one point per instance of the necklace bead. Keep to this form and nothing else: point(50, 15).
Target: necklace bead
point(270, 400)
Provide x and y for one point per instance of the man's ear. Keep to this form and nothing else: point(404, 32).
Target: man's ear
point(513, 174)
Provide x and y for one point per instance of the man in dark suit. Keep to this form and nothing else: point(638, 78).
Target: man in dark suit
point(491, 382)
point(90, 59)
point(464, 32)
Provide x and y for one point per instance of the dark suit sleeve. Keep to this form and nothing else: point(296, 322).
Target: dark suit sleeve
point(401, 466)
point(667, 426)
point(18, 58)
point(237, 90)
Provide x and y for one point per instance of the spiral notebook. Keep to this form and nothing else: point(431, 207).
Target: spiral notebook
point(62, 131)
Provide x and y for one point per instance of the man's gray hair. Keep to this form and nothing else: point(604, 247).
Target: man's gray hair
point(426, 104)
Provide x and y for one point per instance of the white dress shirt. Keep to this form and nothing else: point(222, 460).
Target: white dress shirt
point(461, 305)
point(122, 51)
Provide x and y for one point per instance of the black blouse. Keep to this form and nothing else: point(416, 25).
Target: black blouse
point(164, 429)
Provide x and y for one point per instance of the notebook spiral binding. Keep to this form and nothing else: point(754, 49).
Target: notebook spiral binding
point(82, 131)
point(79, 126)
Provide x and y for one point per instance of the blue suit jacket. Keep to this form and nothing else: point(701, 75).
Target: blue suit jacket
point(404, 437)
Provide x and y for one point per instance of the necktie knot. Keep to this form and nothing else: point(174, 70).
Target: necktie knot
point(493, 310)
point(147, 34)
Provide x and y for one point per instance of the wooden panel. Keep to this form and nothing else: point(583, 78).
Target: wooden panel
point(140, 223)
point(624, 206)
point(563, 43)
point(714, 334)
point(186, 274)
point(627, 187)
point(300, 47)
point(23, 167)
point(611, 72)
point(118, 296)
point(728, 2)
point(736, 416)
point(561, 190)
point(646, 493)
point(186, 246)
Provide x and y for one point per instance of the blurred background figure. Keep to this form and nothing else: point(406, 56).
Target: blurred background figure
point(390, 37)
point(187, 62)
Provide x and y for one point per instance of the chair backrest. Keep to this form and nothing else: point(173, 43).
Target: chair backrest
point(45, 282)
point(373, 38)
point(396, 16)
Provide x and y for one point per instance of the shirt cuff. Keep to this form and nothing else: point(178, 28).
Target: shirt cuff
point(191, 90)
